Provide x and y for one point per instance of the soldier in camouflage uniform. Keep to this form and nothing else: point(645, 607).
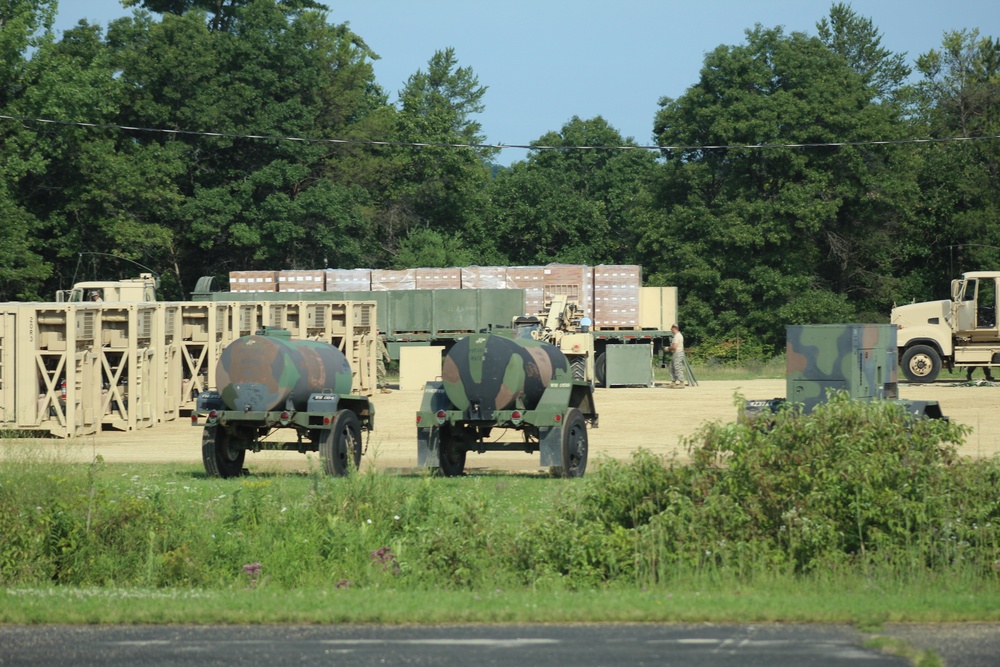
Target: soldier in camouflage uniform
point(677, 375)
point(383, 359)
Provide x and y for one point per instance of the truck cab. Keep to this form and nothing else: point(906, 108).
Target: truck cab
point(141, 289)
point(960, 332)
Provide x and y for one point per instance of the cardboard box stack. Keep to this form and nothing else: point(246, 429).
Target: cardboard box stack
point(532, 280)
point(253, 281)
point(616, 296)
point(439, 278)
point(348, 280)
point(485, 277)
point(391, 279)
point(300, 280)
point(575, 281)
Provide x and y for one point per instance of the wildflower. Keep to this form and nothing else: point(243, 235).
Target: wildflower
point(252, 570)
point(369, 521)
point(386, 559)
point(395, 517)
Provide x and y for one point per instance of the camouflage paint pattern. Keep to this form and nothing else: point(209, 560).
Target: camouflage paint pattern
point(857, 358)
point(263, 372)
point(489, 373)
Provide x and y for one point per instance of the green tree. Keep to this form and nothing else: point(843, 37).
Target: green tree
point(574, 206)
point(24, 25)
point(760, 238)
point(858, 40)
point(255, 203)
point(439, 187)
point(959, 96)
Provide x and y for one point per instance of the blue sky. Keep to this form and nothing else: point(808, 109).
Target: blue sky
point(545, 61)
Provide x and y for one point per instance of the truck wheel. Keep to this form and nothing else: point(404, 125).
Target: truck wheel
point(450, 456)
point(601, 369)
point(574, 445)
point(222, 454)
point(340, 448)
point(921, 363)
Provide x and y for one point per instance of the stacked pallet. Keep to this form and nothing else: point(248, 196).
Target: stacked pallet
point(616, 296)
point(253, 281)
point(608, 294)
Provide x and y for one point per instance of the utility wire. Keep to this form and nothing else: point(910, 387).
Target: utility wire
point(417, 144)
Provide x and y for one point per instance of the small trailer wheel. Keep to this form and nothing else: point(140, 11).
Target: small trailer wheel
point(573, 444)
point(222, 453)
point(450, 457)
point(340, 448)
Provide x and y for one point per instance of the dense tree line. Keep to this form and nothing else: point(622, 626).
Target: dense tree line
point(755, 238)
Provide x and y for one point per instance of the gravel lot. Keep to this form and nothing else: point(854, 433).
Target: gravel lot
point(655, 418)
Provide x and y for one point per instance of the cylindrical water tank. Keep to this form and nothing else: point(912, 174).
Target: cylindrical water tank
point(262, 372)
point(491, 372)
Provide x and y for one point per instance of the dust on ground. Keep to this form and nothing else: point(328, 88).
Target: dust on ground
point(656, 419)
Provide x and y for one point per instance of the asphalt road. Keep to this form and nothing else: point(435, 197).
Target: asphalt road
point(514, 646)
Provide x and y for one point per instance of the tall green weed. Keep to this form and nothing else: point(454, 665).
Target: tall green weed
point(853, 492)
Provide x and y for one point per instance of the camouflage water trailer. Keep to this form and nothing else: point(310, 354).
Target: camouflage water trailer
point(494, 382)
point(269, 381)
point(857, 358)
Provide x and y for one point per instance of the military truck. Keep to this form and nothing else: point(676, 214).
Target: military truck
point(269, 384)
point(141, 289)
point(521, 387)
point(960, 332)
point(559, 325)
point(857, 358)
point(441, 317)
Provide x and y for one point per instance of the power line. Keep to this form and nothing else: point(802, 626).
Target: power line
point(418, 144)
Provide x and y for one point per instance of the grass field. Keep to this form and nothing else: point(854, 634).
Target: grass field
point(852, 514)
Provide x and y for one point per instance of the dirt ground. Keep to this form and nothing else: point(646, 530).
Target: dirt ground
point(655, 419)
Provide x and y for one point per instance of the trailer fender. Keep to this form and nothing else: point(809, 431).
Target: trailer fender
point(550, 445)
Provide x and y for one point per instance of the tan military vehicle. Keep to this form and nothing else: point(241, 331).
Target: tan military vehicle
point(141, 289)
point(960, 332)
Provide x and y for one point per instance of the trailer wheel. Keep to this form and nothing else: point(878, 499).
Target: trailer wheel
point(579, 367)
point(450, 457)
point(340, 448)
point(222, 454)
point(601, 369)
point(573, 445)
point(921, 363)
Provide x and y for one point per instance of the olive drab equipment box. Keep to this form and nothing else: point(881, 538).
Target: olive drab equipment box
point(859, 359)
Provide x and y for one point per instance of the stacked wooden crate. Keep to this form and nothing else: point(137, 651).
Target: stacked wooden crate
point(616, 296)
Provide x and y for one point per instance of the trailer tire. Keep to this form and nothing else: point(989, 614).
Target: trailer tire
point(921, 363)
point(601, 369)
point(222, 454)
point(579, 367)
point(340, 448)
point(573, 445)
point(451, 459)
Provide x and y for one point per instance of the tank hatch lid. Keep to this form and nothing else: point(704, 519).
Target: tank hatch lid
point(274, 332)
